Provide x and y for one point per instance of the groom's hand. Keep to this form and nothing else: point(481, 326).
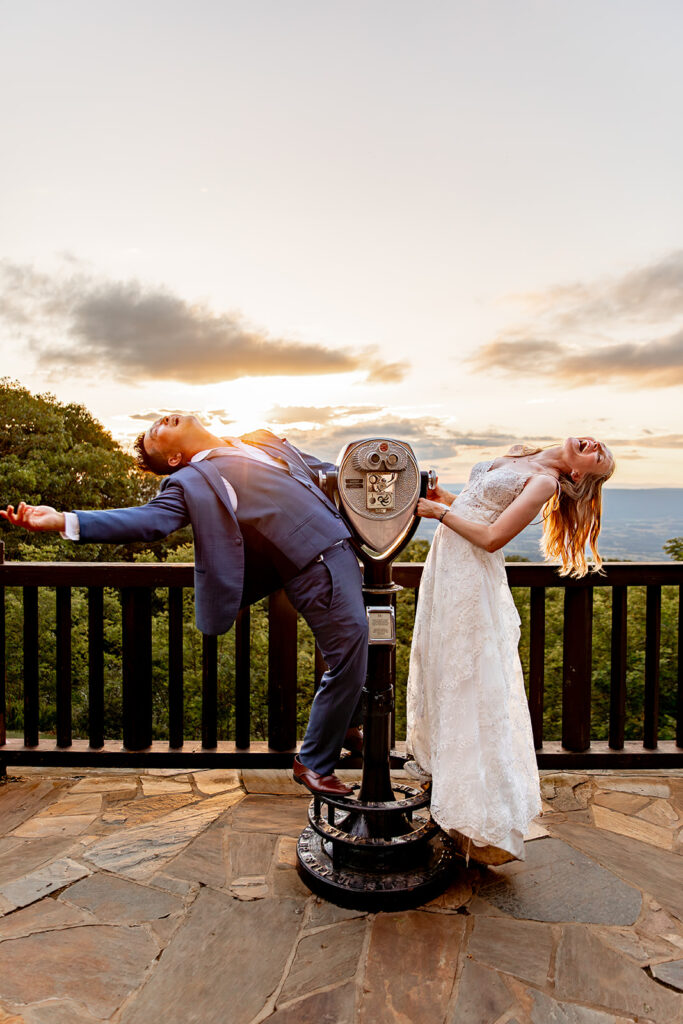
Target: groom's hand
point(37, 518)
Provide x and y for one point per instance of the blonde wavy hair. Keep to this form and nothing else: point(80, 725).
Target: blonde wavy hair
point(571, 518)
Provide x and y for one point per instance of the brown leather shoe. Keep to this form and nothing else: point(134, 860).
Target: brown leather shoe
point(353, 740)
point(319, 785)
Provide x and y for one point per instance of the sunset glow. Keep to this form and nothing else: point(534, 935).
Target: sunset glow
point(458, 224)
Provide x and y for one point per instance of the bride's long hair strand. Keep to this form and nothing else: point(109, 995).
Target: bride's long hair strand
point(571, 519)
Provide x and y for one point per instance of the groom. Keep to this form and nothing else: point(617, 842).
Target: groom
point(260, 522)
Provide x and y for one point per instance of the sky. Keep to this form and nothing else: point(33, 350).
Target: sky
point(455, 223)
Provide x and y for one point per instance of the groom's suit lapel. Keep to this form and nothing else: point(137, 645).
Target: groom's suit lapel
point(212, 476)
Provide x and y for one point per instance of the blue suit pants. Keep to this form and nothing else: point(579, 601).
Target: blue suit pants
point(329, 596)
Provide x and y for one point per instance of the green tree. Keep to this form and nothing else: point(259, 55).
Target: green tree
point(58, 454)
point(674, 548)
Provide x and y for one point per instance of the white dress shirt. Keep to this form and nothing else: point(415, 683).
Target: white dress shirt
point(244, 451)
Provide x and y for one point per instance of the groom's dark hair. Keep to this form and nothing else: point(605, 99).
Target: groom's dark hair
point(151, 463)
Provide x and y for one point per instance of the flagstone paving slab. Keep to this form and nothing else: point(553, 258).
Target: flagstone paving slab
point(396, 986)
point(671, 973)
point(627, 803)
point(21, 799)
point(18, 857)
point(45, 915)
point(559, 883)
point(286, 882)
point(270, 781)
point(637, 863)
point(546, 1010)
point(74, 804)
point(106, 784)
point(45, 880)
point(259, 813)
point(222, 964)
point(116, 900)
point(249, 853)
point(636, 828)
point(325, 958)
point(655, 923)
point(588, 971)
point(131, 812)
point(482, 996)
point(641, 948)
point(58, 1012)
point(203, 859)
point(642, 786)
point(217, 780)
point(96, 965)
point(142, 849)
point(660, 812)
point(152, 786)
point(44, 825)
point(321, 913)
point(333, 1007)
point(522, 948)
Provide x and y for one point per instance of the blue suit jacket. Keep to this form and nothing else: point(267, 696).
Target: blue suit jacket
point(196, 494)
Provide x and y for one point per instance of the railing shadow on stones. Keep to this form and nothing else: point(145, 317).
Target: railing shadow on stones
point(136, 584)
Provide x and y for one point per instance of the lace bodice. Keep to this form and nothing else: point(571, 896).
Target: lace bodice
point(490, 491)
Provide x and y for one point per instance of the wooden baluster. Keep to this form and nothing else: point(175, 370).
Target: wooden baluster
point(653, 618)
point(63, 599)
point(617, 702)
point(3, 663)
point(282, 671)
point(537, 662)
point(96, 667)
point(209, 692)
point(679, 701)
point(243, 679)
point(137, 667)
point(175, 667)
point(31, 689)
point(576, 670)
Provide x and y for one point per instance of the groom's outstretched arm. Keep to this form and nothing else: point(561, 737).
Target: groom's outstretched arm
point(159, 517)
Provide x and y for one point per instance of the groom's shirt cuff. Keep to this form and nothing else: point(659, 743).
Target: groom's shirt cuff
point(72, 528)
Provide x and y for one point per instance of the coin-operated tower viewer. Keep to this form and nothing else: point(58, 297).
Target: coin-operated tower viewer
point(377, 849)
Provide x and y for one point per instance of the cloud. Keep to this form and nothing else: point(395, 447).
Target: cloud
point(134, 332)
point(658, 363)
point(430, 438)
point(651, 441)
point(150, 415)
point(652, 293)
point(317, 414)
point(575, 334)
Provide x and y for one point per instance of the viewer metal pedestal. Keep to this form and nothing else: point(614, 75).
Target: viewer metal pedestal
point(377, 849)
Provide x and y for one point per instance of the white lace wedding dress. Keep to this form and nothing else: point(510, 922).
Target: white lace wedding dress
point(468, 718)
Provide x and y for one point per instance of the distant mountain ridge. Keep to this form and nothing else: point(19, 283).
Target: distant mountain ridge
point(635, 525)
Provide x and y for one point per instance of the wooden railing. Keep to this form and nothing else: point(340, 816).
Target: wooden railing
point(136, 584)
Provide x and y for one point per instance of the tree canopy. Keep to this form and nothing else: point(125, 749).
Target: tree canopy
point(58, 454)
point(674, 548)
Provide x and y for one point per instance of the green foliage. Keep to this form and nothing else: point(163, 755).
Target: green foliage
point(59, 455)
point(674, 548)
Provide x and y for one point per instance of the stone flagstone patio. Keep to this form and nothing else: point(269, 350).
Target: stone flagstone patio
point(132, 897)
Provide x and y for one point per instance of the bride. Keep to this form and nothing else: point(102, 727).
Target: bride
point(468, 719)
